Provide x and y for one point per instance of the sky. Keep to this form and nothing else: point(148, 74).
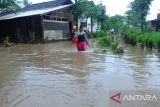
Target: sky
point(119, 7)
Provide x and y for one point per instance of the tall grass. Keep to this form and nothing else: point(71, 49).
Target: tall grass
point(150, 40)
point(130, 35)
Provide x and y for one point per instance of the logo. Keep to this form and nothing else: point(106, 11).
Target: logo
point(116, 98)
point(128, 97)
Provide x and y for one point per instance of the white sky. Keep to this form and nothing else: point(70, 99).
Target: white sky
point(120, 6)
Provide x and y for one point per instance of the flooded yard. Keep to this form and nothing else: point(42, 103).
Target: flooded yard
point(56, 75)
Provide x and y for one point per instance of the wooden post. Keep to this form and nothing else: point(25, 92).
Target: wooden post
point(42, 28)
point(56, 15)
point(33, 30)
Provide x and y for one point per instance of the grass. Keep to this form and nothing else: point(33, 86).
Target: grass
point(134, 37)
point(130, 35)
point(150, 40)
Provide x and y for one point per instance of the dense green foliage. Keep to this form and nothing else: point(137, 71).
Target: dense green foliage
point(149, 40)
point(114, 22)
point(100, 33)
point(9, 5)
point(130, 35)
point(106, 41)
point(134, 36)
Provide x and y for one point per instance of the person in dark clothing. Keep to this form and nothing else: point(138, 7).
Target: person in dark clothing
point(82, 39)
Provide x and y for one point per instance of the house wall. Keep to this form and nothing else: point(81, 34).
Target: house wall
point(55, 30)
point(87, 23)
point(155, 24)
point(25, 29)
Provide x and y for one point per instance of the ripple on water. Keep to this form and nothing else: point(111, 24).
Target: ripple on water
point(64, 77)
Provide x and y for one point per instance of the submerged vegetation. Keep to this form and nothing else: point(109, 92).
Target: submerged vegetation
point(108, 41)
point(7, 43)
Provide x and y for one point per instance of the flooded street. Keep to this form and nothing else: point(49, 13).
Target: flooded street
point(56, 75)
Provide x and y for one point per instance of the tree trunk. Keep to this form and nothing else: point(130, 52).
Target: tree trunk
point(102, 25)
point(91, 25)
point(76, 17)
point(86, 23)
point(128, 22)
point(142, 22)
point(142, 27)
point(77, 22)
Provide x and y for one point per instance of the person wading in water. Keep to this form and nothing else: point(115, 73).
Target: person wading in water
point(82, 39)
point(74, 40)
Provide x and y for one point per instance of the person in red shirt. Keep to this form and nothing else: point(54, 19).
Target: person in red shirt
point(74, 40)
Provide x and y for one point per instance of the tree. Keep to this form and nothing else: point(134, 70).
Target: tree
point(114, 22)
point(89, 10)
point(139, 10)
point(80, 8)
point(131, 19)
point(102, 17)
point(9, 5)
point(98, 13)
point(93, 12)
point(26, 3)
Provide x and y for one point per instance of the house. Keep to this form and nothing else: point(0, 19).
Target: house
point(155, 24)
point(45, 21)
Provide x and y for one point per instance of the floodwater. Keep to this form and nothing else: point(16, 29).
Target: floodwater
point(56, 75)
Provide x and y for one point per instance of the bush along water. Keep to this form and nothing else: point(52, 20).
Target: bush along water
point(117, 48)
point(108, 41)
point(130, 35)
point(150, 40)
point(134, 37)
point(100, 34)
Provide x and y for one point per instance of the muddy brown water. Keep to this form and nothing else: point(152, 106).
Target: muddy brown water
point(56, 75)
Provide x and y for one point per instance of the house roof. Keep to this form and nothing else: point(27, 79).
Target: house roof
point(33, 12)
point(43, 5)
point(38, 9)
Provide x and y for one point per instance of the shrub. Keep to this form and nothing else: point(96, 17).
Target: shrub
point(116, 48)
point(142, 39)
point(150, 40)
point(114, 45)
point(46, 39)
point(100, 34)
point(157, 41)
point(105, 41)
point(119, 49)
point(130, 35)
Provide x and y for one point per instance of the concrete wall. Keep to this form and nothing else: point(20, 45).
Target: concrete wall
point(96, 25)
point(55, 30)
point(50, 35)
